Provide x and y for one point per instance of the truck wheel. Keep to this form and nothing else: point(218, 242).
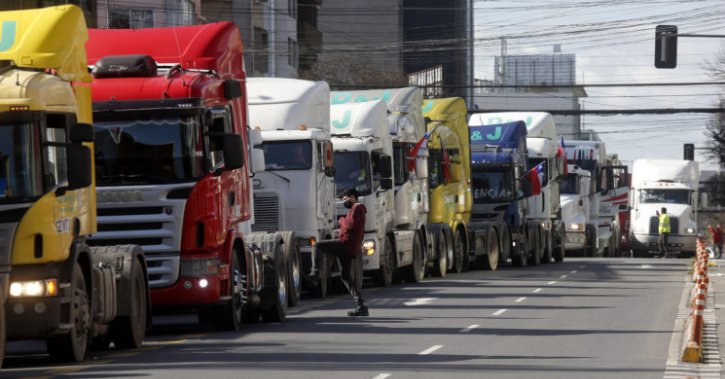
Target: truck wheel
point(460, 262)
point(230, 315)
point(384, 275)
point(416, 271)
point(294, 279)
point(559, 251)
point(534, 248)
point(505, 244)
point(73, 346)
point(493, 253)
point(277, 268)
point(546, 246)
point(440, 266)
point(322, 288)
point(127, 332)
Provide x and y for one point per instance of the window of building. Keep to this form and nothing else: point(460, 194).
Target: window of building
point(125, 18)
point(179, 12)
point(292, 52)
point(292, 8)
point(260, 61)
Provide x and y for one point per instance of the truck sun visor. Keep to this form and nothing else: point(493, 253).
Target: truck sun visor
point(120, 66)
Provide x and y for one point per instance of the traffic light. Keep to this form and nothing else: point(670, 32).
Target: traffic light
point(666, 46)
point(689, 152)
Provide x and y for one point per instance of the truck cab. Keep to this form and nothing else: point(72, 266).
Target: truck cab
point(668, 183)
point(577, 189)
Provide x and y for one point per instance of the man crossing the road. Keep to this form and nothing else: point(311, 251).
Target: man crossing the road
point(347, 248)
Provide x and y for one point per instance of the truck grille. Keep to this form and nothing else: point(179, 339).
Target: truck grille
point(654, 225)
point(266, 212)
point(156, 228)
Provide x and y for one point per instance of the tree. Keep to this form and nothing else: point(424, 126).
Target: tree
point(345, 70)
point(715, 186)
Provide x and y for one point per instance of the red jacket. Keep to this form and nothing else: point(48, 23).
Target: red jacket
point(352, 229)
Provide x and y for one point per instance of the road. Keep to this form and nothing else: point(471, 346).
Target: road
point(599, 318)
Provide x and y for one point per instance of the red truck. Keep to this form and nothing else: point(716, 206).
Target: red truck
point(174, 160)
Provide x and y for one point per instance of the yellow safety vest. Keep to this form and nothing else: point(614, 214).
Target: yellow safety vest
point(664, 223)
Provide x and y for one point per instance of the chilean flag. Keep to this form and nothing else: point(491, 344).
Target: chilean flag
point(533, 177)
point(413, 154)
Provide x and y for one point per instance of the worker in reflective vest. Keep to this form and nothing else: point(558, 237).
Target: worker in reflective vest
point(664, 231)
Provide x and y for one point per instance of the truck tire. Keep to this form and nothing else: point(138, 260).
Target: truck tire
point(460, 258)
point(534, 247)
point(127, 332)
point(384, 275)
point(505, 244)
point(440, 265)
point(559, 252)
point(230, 316)
point(277, 268)
point(490, 261)
point(416, 271)
point(72, 347)
point(547, 245)
point(294, 278)
point(321, 290)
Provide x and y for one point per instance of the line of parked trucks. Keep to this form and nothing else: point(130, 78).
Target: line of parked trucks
point(164, 179)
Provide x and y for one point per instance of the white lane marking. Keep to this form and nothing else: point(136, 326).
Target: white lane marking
point(645, 266)
point(552, 282)
point(382, 376)
point(499, 312)
point(430, 350)
point(538, 290)
point(420, 301)
point(519, 299)
point(573, 272)
point(469, 328)
point(563, 276)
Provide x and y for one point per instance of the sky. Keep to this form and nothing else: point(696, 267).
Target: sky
point(613, 41)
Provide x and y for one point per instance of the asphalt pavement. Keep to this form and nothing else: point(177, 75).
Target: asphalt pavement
point(593, 318)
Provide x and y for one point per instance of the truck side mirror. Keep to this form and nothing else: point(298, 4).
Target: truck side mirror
point(232, 89)
point(81, 133)
point(386, 166)
point(233, 151)
point(79, 158)
point(386, 184)
point(258, 162)
point(329, 164)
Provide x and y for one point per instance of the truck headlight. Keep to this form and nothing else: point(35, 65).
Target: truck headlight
point(690, 230)
point(199, 267)
point(575, 227)
point(306, 241)
point(34, 288)
point(368, 247)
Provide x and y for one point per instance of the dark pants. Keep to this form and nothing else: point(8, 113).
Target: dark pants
point(336, 249)
point(662, 243)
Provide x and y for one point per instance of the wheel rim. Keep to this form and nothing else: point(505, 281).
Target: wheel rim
point(81, 314)
point(282, 287)
point(442, 257)
point(493, 258)
point(237, 283)
point(296, 279)
point(505, 244)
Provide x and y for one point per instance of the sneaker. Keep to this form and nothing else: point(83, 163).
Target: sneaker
point(362, 311)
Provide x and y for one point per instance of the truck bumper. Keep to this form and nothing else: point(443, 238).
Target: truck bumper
point(32, 318)
point(575, 240)
point(200, 283)
point(675, 242)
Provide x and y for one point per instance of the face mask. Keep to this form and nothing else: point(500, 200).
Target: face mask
point(347, 204)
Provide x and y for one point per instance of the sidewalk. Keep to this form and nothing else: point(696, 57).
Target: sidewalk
point(717, 285)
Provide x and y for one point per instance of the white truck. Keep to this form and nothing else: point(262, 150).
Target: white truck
point(577, 191)
point(365, 155)
point(668, 183)
point(296, 192)
point(608, 196)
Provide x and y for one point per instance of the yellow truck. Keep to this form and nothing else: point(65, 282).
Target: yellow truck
point(57, 288)
point(449, 182)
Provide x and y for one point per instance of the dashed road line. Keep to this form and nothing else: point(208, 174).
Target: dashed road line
point(552, 282)
point(563, 276)
point(430, 349)
point(382, 376)
point(499, 312)
point(573, 272)
point(519, 299)
point(420, 301)
point(469, 328)
point(537, 290)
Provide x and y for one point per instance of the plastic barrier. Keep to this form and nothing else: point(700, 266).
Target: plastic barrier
point(692, 335)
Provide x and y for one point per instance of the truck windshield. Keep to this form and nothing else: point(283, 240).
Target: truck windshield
point(570, 185)
point(491, 187)
point(149, 151)
point(20, 178)
point(669, 196)
point(352, 170)
point(287, 155)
